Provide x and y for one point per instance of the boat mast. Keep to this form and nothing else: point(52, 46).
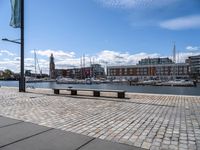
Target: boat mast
point(35, 63)
point(174, 61)
point(81, 66)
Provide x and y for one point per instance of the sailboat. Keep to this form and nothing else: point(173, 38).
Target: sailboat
point(35, 79)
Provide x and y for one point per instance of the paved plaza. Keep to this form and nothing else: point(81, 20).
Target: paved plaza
point(20, 135)
point(142, 120)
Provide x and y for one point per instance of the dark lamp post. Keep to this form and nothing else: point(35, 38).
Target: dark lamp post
point(22, 87)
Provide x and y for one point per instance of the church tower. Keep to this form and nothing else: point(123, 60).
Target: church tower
point(52, 67)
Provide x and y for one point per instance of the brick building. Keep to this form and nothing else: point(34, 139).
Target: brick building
point(94, 71)
point(148, 70)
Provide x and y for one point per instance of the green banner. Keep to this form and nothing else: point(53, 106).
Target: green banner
point(15, 21)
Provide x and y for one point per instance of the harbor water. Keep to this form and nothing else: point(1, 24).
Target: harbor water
point(116, 86)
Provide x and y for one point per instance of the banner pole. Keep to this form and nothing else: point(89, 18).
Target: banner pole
point(22, 87)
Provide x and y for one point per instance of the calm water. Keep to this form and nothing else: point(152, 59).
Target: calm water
point(138, 89)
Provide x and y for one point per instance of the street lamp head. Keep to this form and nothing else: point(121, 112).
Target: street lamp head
point(4, 39)
point(12, 41)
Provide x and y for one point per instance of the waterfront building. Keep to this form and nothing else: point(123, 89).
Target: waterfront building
point(155, 61)
point(74, 73)
point(28, 73)
point(52, 67)
point(194, 63)
point(97, 71)
point(94, 71)
point(163, 69)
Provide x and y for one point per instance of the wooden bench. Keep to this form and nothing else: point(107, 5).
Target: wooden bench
point(96, 92)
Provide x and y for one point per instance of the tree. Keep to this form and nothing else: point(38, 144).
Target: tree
point(7, 74)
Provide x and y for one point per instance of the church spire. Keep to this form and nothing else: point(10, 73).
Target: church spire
point(52, 67)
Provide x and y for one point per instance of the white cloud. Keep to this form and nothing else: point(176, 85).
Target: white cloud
point(136, 3)
point(68, 63)
point(118, 58)
point(14, 64)
point(182, 56)
point(2, 52)
point(10, 64)
point(187, 22)
point(56, 53)
point(192, 48)
point(43, 64)
point(120, 3)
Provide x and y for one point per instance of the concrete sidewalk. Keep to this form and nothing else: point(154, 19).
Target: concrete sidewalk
point(20, 135)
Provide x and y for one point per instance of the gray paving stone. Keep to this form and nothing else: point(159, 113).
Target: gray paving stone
point(154, 148)
point(164, 147)
point(173, 147)
point(18, 132)
point(105, 145)
point(7, 121)
point(146, 145)
point(51, 140)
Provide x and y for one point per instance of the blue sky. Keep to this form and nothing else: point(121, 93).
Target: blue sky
point(115, 31)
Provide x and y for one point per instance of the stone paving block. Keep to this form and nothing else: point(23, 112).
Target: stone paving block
point(173, 147)
point(164, 147)
point(146, 145)
point(154, 148)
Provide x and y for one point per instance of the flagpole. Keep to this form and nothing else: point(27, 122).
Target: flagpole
point(22, 87)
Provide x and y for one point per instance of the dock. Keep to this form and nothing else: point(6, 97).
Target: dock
point(144, 121)
point(164, 83)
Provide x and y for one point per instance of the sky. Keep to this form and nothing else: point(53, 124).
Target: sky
point(109, 32)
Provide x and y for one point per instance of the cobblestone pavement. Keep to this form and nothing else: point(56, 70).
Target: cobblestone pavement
point(144, 120)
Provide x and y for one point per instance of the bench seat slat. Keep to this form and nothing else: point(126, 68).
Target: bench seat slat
point(96, 92)
point(78, 89)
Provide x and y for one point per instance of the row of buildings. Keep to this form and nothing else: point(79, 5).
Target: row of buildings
point(94, 71)
point(157, 68)
point(148, 68)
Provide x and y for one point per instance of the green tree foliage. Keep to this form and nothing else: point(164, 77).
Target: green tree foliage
point(7, 74)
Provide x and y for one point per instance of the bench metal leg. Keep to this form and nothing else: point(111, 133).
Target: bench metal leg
point(121, 94)
point(73, 92)
point(96, 93)
point(56, 91)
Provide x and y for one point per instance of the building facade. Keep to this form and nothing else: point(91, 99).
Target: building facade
point(97, 71)
point(155, 61)
point(146, 69)
point(94, 71)
point(194, 62)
